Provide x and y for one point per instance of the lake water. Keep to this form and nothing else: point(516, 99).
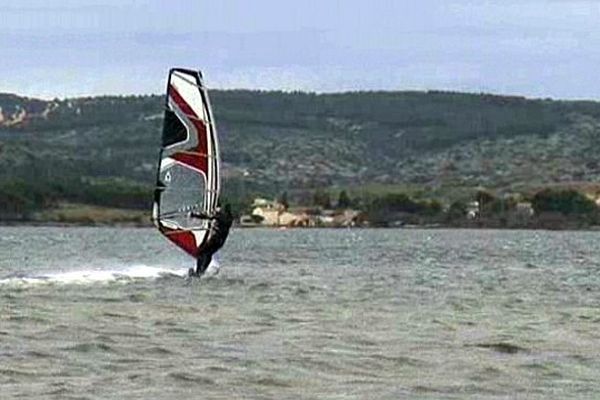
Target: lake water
point(103, 313)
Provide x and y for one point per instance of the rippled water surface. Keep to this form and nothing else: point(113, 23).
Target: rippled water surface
point(103, 313)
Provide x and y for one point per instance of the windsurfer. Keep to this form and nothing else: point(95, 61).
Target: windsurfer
point(220, 223)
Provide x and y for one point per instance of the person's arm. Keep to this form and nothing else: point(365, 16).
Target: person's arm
point(200, 215)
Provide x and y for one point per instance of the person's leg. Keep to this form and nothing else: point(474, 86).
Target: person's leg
point(210, 247)
point(203, 263)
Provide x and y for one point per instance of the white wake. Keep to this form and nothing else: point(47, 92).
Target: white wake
point(91, 276)
point(96, 276)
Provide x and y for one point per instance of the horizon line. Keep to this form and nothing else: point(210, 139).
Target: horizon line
point(316, 92)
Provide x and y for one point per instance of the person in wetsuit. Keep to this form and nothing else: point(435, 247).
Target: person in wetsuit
point(218, 230)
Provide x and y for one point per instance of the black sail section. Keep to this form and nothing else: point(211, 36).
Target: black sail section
point(173, 129)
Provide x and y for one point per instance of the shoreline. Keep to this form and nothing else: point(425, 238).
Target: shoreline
point(474, 227)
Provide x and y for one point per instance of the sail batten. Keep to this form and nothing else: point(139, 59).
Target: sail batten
point(188, 176)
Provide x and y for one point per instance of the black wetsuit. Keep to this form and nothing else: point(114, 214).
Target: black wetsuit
point(217, 234)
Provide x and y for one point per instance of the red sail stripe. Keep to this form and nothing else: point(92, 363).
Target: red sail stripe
point(194, 161)
point(184, 239)
point(183, 105)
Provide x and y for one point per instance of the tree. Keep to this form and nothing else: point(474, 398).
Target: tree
point(484, 198)
point(283, 200)
point(457, 210)
point(501, 206)
point(321, 198)
point(563, 201)
point(391, 208)
point(432, 207)
point(344, 200)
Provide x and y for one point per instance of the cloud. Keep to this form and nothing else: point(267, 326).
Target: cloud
point(531, 47)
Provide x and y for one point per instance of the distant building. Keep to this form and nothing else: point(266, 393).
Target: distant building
point(262, 203)
point(325, 220)
point(288, 219)
point(595, 197)
point(268, 210)
point(270, 216)
point(250, 220)
point(272, 213)
point(348, 218)
point(524, 208)
point(472, 209)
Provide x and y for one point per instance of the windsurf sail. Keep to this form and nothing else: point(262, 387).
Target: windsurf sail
point(188, 176)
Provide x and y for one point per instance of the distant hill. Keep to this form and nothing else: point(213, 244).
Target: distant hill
point(276, 141)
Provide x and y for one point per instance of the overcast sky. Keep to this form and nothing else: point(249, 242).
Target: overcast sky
point(537, 48)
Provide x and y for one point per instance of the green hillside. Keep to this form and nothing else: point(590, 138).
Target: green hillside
point(102, 150)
